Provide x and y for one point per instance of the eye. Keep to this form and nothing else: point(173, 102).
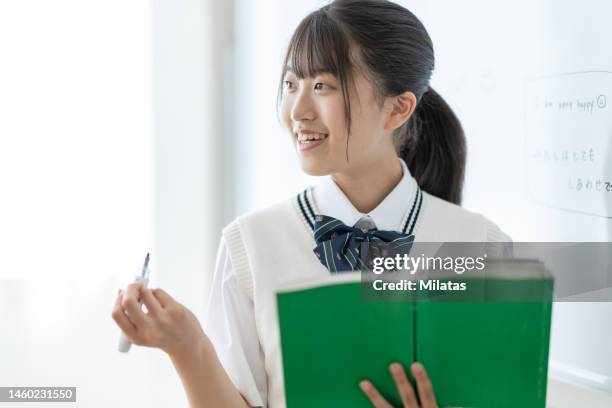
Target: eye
point(322, 84)
point(287, 84)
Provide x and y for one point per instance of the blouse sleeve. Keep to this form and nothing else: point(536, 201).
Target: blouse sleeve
point(499, 244)
point(229, 322)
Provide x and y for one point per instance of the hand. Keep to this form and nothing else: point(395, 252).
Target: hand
point(428, 399)
point(167, 324)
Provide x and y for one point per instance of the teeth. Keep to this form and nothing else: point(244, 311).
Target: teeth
point(304, 138)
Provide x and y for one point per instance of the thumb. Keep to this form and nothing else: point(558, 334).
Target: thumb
point(163, 297)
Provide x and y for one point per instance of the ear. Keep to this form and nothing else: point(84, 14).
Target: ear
point(401, 109)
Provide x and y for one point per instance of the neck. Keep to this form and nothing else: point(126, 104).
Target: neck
point(366, 187)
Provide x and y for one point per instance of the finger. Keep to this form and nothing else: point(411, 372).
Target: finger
point(152, 304)
point(372, 393)
point(403, 386)
point(132, 306)
point(133, 291)
point(426, 392)
point(163, 297)
point(121, 319)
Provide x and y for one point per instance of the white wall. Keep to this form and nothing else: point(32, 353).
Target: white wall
point(109, 144)
point(77, 192)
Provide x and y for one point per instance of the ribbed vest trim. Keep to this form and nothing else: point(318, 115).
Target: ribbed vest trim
point(306, 208)
point(238, 257)
point(307, 211)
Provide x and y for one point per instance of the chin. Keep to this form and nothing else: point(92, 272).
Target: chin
point(314, 168)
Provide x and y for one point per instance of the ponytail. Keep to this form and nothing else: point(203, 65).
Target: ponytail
point(432, 144)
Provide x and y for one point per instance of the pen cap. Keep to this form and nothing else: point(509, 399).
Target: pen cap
point(124, 344)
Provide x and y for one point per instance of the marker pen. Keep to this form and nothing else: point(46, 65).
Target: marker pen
point(124, 343)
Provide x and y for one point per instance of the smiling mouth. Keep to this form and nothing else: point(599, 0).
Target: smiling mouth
point(307, 138)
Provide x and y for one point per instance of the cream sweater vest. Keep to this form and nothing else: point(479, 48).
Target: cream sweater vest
point(272, 246)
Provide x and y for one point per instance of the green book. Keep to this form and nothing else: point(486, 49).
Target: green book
point(489, 351)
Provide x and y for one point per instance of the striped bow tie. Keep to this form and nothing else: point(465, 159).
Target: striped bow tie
point(343, 248)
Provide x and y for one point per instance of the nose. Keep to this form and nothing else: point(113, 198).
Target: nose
point(303, 107)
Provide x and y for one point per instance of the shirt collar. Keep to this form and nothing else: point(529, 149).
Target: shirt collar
point(388, 215)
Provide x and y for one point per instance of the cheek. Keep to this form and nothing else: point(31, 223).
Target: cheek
point(285, 111)
point(334, 119)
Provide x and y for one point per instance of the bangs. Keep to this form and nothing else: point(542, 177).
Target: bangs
point(318, 46)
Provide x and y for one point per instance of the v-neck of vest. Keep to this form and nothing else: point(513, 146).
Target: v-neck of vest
point(307, 210)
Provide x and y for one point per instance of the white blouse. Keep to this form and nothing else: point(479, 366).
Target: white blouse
point(229, 320)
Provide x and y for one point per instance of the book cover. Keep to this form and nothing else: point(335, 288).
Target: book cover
point(490, 352)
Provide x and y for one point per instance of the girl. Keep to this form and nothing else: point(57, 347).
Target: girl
point(356, 102)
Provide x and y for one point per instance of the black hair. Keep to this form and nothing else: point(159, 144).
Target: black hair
point(395, 51)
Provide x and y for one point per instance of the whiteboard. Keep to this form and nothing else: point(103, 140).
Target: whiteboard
point(532, 85)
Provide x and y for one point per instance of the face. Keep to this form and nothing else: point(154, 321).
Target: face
point(313, 113)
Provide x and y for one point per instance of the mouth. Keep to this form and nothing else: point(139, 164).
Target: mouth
point(310, 140)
